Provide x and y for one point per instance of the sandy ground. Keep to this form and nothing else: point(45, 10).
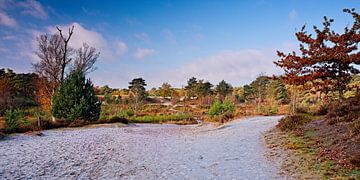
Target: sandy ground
point(142, 151)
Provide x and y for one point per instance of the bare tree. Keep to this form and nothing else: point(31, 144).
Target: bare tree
point(66, 50)
point(85, 59)
point(50, 55)
point(56, 58)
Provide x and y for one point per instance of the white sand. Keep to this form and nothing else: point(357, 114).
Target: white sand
point(235, 151)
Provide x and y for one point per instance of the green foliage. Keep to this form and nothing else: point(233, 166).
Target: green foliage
point(160, 118)
point(11, 119)
point(14, 118)
point(198, 88)
point(271, 109)
point(259, 88)
point(190, 87)
point(76, 99)
point(203, 88)
point(277, 91)
point(218, 108)
point(165, 90)
point(16, 90)
point(248, 91)
point(223, 88)
point(126, 113)
point(137, 89)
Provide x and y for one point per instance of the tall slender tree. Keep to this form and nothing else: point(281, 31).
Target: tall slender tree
point(137, 89)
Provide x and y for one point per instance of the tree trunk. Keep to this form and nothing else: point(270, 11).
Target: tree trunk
point(294, 100)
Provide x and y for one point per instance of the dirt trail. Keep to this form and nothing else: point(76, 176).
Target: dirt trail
point(235, 151)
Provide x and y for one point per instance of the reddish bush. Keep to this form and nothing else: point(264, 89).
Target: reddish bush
point(347, 110)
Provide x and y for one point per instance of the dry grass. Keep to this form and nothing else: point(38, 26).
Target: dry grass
point(303, 158)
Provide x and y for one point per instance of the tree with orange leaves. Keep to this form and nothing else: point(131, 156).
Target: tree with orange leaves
point(327, 60)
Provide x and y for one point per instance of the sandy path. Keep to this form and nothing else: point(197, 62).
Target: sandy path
point(235, 151)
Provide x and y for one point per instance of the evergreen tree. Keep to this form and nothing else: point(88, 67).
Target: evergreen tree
point(76, 99)
point(191, 86)
point(248, 91)
point(137, 89)
point(223, 88)
point(203, 89)
point(277, 90)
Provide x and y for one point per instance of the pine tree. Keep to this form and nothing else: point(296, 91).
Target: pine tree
point(223, 88)
point(76, 99)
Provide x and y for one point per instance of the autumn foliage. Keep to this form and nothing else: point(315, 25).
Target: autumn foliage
point(326, 60)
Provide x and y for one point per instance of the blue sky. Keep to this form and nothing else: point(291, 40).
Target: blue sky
point(167, 41)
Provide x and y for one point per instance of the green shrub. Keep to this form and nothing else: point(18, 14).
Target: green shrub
point(160, 118)
point(126, 113)
point(11, 120)
point(218, 108)
point(76, 99)
point(14, 119)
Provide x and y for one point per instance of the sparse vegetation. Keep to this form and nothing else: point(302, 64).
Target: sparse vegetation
point(163, 118)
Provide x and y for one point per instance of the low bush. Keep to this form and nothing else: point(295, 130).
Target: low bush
point(126, 113)
point(78, 123)
point(321, 110)
point(294, 122)
point(14, 120)
point(355, 127)
point(347, 110)
point(218, 108)
point(11, 120)
point(160, 118)
point(117, 119)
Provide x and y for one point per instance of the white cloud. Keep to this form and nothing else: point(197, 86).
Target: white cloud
point(33, 8)
point(142, 36)
point(6, 20)
point(82, 35)
point(293, 15)
point(169, 35)
point(235, 66)
point(121, 48)
point(141, 53)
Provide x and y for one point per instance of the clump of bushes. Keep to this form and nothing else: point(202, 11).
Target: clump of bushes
point(15, 120)
point(222, 110)
point(126, 113)
point(121, 116)
point(161, 118)
point(293, 122)
point(347, 111)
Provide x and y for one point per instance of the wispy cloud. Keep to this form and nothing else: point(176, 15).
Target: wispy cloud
point(91, 37)
point(121, 48)
point(141, 53)
point(293, 15)
point(142, 37)
point(235, 66)
point(33, 8)
point(169, 35)
point(6, 20)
